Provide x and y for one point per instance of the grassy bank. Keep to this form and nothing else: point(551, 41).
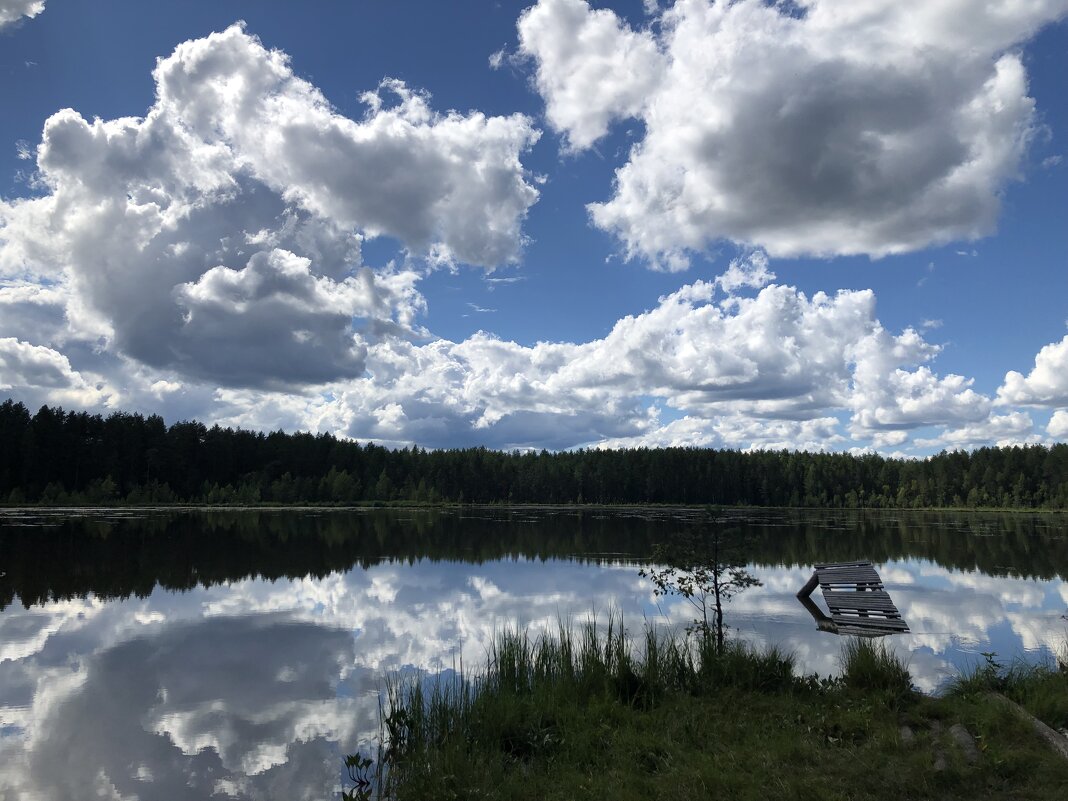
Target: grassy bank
point(1040, 689)
point(588, 715)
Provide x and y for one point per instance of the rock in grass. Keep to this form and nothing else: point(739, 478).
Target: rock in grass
point(965, 742)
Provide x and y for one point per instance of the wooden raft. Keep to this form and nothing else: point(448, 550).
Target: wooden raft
point(856, 598)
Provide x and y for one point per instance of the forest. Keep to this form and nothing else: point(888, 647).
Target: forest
point(56, 457)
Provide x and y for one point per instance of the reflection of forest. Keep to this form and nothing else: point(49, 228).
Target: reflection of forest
point(70, 557)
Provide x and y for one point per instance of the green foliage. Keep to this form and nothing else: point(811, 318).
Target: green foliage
point(707, 568)
point(362, 774)
point(592, 715)
point(531, 688)
point(55, 456)
point(1041, 689)
point(871, 666)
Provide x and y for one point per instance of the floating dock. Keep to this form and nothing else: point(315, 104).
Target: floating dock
point(856, 598)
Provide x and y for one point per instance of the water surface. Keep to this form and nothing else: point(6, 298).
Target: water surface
point(195, 655)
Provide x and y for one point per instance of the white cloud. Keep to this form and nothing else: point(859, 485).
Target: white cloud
point(750, 272)
point(857, 126)
point(11, 11)
point(220, 235)
point(40, 373)
point(590, 68)
point(1057, 427)
point(769, 371)
point(888, 397)
point(449, 181)
point(739, 431)
point(275, 313)
point(1045, 385)
point(1002, 430)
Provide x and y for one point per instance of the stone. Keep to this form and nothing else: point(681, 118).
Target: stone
point(965, 742)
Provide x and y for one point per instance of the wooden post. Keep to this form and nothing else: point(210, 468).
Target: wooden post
point(807, 590)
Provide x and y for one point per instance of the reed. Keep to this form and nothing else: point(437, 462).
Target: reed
point(590, 711)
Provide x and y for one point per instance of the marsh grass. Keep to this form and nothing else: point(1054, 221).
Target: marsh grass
point(871, 666)
point(590, 712)
point(1041, 689)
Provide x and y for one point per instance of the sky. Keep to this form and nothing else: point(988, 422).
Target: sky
point(807, 224)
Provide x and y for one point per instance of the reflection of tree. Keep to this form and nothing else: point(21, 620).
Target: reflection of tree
point(707, 568)
point(182, 550)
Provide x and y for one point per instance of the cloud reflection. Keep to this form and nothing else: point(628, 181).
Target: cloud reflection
point(255, 688)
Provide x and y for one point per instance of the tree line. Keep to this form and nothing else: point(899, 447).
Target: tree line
point(57, 457)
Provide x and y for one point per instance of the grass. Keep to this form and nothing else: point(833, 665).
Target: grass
point(590, 714)
point(1041, 689)
point(870, 666)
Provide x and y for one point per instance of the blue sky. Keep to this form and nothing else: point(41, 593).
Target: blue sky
point(563, 224)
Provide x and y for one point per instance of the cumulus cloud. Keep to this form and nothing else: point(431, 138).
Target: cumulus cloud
point(1002, 430)
point(449, 181)
point(220, 235)
point(11, 11)
point(1045, 385)
point(276, 312)
point(739, 431)
point(887, 396)
point(207, 260)
point(824, 127)
point(28, 307)
point(771, 370)
point(590, 67)
point(749, 272)
point(1057, 427)
point(39, 372)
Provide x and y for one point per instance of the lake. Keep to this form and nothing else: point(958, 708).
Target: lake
point(164, 655)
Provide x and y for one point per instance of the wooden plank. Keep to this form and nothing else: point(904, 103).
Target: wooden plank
point(863, 625)
point(871, 595)
point(810, 586)
point(868, 600)
point(876, 623)
point(849, 574)
point(852, 610)
point(843, 565)
point(825, 579)
point(831, 565)
point(889, 621)
point(848, 607)
point(892, 623)
point(858, 603)
point(847, 610)
point(884, 606)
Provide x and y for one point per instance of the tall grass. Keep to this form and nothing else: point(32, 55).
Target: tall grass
point(871, 666)
point(530, 684)
point(1041, 689)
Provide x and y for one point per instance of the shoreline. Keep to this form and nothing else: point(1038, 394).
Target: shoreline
point(582, 716)
point(385, 505)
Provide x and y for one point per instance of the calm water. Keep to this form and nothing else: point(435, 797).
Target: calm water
point(162, 656)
